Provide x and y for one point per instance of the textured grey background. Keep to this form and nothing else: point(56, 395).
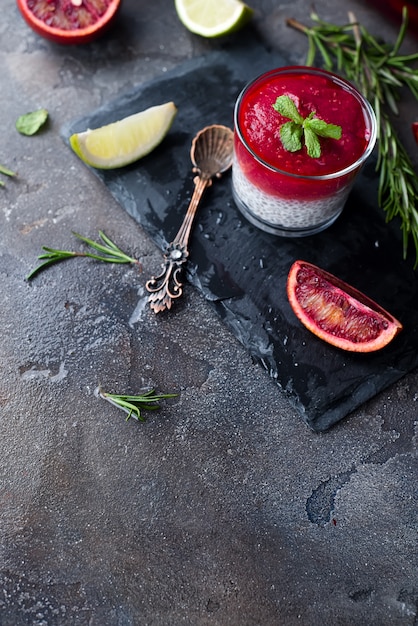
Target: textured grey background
point(223, 508)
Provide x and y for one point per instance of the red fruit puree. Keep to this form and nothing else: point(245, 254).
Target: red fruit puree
point(260, 125)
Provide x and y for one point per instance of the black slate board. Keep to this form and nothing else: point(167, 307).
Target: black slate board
point(241, 270)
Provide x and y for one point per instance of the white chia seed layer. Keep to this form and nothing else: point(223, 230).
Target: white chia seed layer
point(285, 213)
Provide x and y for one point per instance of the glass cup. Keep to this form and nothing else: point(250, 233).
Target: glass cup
point(289, 193)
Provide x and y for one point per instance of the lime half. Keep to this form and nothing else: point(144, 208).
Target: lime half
point(126, 140)
point(213, 18)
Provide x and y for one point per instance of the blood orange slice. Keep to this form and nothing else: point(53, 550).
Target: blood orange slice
point(69, 21)
point(337, 312)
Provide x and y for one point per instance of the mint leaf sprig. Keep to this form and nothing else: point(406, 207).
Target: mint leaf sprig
point(135, 405)
point(110, 253)
point(309, 128)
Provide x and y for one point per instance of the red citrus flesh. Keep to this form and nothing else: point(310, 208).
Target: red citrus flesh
point(337, 312)
point(415, 130)
point(69, 21)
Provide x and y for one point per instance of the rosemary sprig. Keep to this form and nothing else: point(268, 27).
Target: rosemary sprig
point(134, 405)
point(110, 253)
point(380, 72)
point(5, 170)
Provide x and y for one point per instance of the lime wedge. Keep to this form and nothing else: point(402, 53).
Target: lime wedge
point(213, 18)
point(126, 140)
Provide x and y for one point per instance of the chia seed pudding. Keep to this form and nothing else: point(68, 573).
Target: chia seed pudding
point(291, 193)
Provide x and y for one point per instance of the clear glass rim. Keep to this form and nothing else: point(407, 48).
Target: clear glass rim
point(342, 82)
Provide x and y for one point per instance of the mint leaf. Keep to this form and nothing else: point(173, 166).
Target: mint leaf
point(291, 135)
point(313, 146)
point(286, 107)
point(309, 128)
point(323, 129)
point(30, 123)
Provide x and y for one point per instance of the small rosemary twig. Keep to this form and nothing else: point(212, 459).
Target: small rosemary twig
point(6, 172)
point(134, 405)
point(379, 72)
point(110, 253)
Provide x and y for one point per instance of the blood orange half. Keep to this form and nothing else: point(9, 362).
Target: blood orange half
point(337, 312)
point(69, 21)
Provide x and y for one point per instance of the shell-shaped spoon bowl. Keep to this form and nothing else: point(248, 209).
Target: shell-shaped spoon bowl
point(211, 151)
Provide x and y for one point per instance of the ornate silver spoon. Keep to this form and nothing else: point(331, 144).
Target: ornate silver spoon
point(211, 156)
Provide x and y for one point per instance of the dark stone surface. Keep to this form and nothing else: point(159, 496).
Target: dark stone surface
point(223, 508)
point(241, 269)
